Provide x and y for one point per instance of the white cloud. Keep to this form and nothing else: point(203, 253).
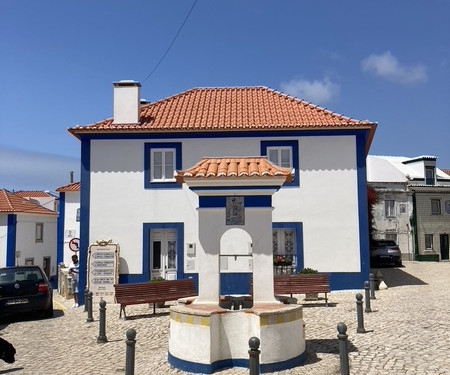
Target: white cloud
point(317, 92)
point(387, 66)
point(26, 170)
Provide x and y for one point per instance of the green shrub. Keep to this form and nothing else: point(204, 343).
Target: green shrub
point(156, 279)
point(307, 271)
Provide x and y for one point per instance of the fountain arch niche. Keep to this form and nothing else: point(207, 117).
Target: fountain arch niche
point(235, 235)
point(235, 263)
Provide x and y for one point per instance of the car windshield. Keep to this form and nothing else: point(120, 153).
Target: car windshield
point(16, 275)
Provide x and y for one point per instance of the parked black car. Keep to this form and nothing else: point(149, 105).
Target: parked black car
point(385, 252)
point(25, 289)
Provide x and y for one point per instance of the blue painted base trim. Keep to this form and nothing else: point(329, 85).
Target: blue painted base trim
point(202, 368)
point(285, 365)
point(347, 280)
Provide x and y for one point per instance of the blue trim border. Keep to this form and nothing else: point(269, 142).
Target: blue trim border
point(297, 227)
point(145, 275)
point(202, 368)
point(11, 240)
point(295, 163)
point(147, 165)
point(60, 228)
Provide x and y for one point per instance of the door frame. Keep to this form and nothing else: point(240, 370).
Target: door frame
point(163, 237)
point(441, 243)
point(179, 229)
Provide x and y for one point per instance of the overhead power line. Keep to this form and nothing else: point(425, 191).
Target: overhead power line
point(173, 41)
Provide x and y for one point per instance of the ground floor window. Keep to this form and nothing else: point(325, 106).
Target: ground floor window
point(287, 247)
point(428, 242)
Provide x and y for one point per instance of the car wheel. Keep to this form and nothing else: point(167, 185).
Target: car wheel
point(399, 264)
point(49, 312)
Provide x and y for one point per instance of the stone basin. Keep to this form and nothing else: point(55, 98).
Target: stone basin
point(207, 338)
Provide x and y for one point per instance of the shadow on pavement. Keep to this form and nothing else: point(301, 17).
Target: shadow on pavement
point(26, 317)
point(327, 346)
point(11, 370)
point(397, 277)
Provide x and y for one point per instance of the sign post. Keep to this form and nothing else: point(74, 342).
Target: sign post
point(102, 270)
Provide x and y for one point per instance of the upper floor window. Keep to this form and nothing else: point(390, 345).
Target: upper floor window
point(161, 162)
point(162, 165)
point(39, 235)
point(78, 214)
point(436, 206)
point(283, 154)
point(389, 208)
point(430, 175)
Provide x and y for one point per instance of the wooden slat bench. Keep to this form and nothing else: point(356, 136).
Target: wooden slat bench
point(299, 284)
point(152, 292)
point(302, 284)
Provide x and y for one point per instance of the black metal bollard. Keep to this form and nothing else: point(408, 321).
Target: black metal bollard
point(372, 286)
point(253, 362)
point(102, 322)
point(89, 307)
point(86, 291)
point(359, 313)
point(367, 296)
point(343, 348)
point(130, 353)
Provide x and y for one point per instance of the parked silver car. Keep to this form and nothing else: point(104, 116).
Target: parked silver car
point(385, 252)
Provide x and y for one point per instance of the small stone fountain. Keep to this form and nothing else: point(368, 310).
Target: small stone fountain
point(211, 331)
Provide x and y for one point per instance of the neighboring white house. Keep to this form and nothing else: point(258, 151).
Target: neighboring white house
point(129, 194)
point(414, 205)
point(27, 232)
point(68, 220)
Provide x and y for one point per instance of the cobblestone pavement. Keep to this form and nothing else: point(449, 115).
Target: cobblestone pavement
point(407, 333)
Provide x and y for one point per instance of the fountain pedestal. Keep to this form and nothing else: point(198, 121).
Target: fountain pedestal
point(205, 338)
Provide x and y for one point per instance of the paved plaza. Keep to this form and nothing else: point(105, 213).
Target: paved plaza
point(407, 333)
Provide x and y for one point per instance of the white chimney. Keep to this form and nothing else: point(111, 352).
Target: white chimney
point(126, 102)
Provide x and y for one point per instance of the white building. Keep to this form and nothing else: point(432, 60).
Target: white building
point(68, 221)
point(414, 205)
point(27, 233)
point(129, 194)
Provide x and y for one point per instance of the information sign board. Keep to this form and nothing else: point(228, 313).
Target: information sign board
point(102, 270)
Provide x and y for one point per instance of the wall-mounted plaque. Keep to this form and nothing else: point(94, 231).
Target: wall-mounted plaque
point(235, 211)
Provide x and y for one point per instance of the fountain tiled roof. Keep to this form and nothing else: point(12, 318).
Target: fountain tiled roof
point(234, 167)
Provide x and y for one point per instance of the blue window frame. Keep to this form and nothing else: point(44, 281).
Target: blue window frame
point(160, 162)
point(284, 154)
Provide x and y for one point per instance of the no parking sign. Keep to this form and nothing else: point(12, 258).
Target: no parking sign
point(74, 244)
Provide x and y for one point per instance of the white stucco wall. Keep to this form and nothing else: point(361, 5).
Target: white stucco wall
point(326, 201)
point(71, 226)
point(26, 239)
point(3, 238)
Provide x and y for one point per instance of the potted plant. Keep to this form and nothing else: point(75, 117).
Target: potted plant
point(281, 260)
point(309, 271)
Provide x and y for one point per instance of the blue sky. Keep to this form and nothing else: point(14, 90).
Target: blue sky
point(385, 61)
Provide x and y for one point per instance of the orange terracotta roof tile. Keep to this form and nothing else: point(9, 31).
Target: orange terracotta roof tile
point(11, 202)
point(75, 186)
point(32, 194)
point(256, 167)
point(446, 171)
point(228, 109)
